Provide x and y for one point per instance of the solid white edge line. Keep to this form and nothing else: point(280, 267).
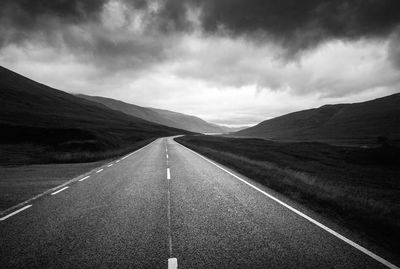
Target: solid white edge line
point(15, 212)
point(172, 263)
point(98, 171)
point(329, 230)
point(168, 174)
point(82, 179)
point(60, 190)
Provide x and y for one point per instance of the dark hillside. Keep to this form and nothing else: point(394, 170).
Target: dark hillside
point(52, 124)
point(362, 121)
point(130, 109)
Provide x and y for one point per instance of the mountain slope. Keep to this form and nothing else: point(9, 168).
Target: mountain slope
point(188, 122)
point(34, 114)
point(366, 120)
point(130, 109)
point(164, 117)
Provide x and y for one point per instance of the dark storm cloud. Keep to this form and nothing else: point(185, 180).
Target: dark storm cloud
point(303, 24)
point(77, 26)
point(297, 25)
point(20, 19)
point(25, 14)
point(287, 20)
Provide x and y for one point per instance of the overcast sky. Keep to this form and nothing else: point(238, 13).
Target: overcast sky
point(232, 62)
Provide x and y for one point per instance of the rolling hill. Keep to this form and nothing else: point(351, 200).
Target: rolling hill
point(366, 120)
point(36, 119)
point(160, 116)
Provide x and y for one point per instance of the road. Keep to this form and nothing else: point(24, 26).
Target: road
point(166, 207)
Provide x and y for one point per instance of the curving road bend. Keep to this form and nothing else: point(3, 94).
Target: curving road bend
point(164, 206)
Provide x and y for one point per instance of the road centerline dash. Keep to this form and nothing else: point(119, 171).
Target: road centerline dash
point(172, 263)
point(168, 174)
point(98, 171)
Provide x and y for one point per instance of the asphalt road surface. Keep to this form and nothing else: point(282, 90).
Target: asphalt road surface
point(164, 206)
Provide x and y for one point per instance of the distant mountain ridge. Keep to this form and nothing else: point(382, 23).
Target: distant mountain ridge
point(161, 116)
point(366, 120)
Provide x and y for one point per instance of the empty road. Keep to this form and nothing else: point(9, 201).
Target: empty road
point(164, 206)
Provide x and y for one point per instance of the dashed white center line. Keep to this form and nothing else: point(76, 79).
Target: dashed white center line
point(82, 179)
point(60, 190)
point(110, 165)
point(168, 174)
point(98, 171)
point(117, 161)
point(15, 212)
point(172, 263)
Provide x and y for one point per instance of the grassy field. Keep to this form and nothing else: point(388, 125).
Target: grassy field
point(356, 187)
point(28, 153)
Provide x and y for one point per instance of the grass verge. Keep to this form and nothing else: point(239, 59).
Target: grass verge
point(24, 154)
point(356, 187)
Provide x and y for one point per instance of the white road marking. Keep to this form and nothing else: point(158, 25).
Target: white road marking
point(60, 190)
point(117, 161)
point(329, 230)
point(82, 179)
point(168, 174)
point(98, 171)
point(169, 225)
point(15, 212)
point(172, 263)
point(110, 165)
